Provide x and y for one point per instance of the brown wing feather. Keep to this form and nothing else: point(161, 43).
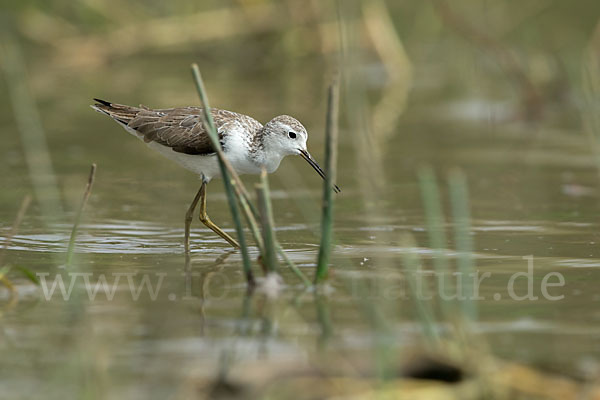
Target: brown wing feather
point(178, 128)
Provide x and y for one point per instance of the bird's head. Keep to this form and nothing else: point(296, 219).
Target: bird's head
point(285, 136)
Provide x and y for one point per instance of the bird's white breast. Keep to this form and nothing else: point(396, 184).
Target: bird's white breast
point(206, 165)
point(237, 144)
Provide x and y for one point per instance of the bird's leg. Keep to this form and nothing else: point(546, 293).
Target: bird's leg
point(189, 215)
point(206, 220)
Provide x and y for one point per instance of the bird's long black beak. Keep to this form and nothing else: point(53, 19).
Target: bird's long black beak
point(306, 155)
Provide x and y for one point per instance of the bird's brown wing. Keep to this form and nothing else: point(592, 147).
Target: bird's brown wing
point(178, 128)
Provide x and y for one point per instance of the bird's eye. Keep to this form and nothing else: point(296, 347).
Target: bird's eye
point(292, 135)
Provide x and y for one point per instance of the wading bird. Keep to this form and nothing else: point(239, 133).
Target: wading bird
point(179, 134)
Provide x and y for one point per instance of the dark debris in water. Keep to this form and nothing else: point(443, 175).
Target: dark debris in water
point(428, 368)
point(225, 390)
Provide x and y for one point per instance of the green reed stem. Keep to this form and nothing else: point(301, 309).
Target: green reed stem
point(226, 172)
point(252, 216)
point(84, 200)
point(291, 265)
point(323, 318)
point(251, 219)
point(418, 288)
point(30, 129)
point(434, 218)
point(15, 226)
point(331, 135)
point(13, 231)
point(5, 281)
point(266, 219)
point(459, 198)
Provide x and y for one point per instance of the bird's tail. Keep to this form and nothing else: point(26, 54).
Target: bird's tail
point(118, 112)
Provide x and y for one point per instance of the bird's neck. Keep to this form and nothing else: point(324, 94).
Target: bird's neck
point(261, 154)
point(257, 144)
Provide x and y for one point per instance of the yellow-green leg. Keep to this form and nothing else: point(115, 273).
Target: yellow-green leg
point(189, 215)
point(206, 220)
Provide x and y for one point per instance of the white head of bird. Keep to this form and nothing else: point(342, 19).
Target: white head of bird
point(282, 136)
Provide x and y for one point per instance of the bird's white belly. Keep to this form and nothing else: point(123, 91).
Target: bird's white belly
point(202, 165)
point(207, 165)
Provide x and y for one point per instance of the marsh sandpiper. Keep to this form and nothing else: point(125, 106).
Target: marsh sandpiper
point(179, 134)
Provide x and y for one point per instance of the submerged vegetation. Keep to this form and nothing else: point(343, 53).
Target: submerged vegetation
point(84, 200)
point(460, 262)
